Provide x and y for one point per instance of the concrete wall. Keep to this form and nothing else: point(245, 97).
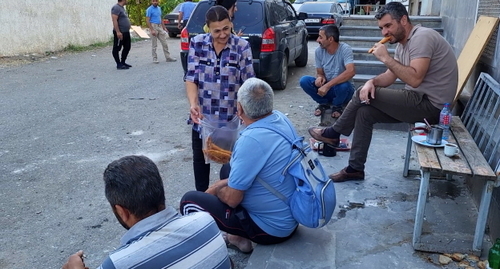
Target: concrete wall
point(459, 18)
point(39, 26)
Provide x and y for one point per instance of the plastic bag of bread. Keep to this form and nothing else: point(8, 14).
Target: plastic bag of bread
point(218, 138)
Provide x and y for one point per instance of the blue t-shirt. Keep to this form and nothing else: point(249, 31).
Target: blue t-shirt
point(334, 64)
point(154, 14)
point(264, 153)
point(186, 9)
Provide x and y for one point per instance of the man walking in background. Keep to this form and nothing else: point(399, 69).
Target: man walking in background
point(121, 34)
point(185, 12)
point(157, 29)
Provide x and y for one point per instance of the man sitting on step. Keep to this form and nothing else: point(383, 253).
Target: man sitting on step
point(423, 60)
point(334, 71)
point(240, 204)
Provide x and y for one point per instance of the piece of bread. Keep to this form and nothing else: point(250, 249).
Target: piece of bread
point(383, 41)
point(216, 153)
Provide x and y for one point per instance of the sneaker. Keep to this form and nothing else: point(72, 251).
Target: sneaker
point(127, 65)
point(155, 61)
point(342, 176)
point(171, 59)
point(121, 67)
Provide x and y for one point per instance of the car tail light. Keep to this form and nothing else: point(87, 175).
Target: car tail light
point(328, 21)
point(165, 21)
point(268, 41)
point(184, 39)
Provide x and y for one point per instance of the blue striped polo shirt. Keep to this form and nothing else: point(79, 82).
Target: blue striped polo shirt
point(169, 240)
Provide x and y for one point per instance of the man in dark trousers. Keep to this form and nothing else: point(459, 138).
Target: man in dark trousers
point(121, 34)
point(423, 60)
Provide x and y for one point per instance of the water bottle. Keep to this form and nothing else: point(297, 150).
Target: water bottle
point(445, 120)
point(494, 256)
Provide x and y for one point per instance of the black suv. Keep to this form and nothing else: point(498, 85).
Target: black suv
point(277, 36)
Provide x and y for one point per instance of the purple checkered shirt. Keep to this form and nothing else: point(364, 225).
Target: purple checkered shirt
point(219, 77)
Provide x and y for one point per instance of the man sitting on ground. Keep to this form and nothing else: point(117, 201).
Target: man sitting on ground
point(334, 71)
point(157, 236)
point(423, 60)
point(241, 205)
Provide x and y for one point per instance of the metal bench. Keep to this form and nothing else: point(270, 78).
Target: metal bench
point(477, 133)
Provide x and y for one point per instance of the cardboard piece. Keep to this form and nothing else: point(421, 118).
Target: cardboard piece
point(474, 47)
point(139, 31)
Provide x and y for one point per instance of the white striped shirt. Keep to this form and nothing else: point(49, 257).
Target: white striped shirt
point(169, 240)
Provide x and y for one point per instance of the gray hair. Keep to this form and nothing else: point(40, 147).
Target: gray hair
point(256, 98)
point(331, 31)
point(395, 9)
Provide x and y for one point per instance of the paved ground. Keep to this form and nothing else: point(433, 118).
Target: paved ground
point(63, 119)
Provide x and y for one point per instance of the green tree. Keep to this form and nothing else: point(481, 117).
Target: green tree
point(136, 9)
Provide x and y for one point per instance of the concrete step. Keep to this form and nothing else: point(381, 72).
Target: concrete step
point(369, 67)
point(363, 41)
point(369, 20)
point(363, 55)
point(360, 79)
point(364, 30)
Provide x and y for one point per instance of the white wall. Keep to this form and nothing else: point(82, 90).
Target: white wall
point(35, 26)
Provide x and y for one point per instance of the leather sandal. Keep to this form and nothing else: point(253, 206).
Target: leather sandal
point(320, 109)
point(336, 112)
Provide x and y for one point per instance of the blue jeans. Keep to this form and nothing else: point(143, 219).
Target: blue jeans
point(338, 95)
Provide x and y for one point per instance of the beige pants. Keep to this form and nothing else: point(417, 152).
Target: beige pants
point(162, 36)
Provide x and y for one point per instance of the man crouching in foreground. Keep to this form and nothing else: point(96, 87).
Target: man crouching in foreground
point(157, 236)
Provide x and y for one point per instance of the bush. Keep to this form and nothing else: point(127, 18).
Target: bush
point(137, 9)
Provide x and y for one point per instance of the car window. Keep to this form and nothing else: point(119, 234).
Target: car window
point(339, 9)
point(250, 15)
point(278, 13)
point(290, 12)
point(315, 8)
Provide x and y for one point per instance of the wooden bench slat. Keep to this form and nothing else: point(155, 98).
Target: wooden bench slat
point(427, 158)
point(454, 165)
point(469, 149)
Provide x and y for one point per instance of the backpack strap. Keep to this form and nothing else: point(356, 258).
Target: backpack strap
point(294, 141)
point(273, 190)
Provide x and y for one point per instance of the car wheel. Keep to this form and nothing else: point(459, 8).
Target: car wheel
point(301, 61)
point(172, 34)
point(280, 84)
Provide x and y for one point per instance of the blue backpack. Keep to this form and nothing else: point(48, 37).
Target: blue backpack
point(313, 202)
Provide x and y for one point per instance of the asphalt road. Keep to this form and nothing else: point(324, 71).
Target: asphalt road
point(63, 119)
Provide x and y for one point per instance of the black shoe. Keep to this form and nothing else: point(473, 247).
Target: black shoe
point(121, 66)
point(127, 65)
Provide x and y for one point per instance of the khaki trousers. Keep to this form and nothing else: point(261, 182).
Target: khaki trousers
point(389, 106)
point(162, 36)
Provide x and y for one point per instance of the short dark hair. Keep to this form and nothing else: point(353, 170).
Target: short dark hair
point(331, 31)
point(134, 182)
point(215, 14)
point(228, 4)
point(395, 9)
